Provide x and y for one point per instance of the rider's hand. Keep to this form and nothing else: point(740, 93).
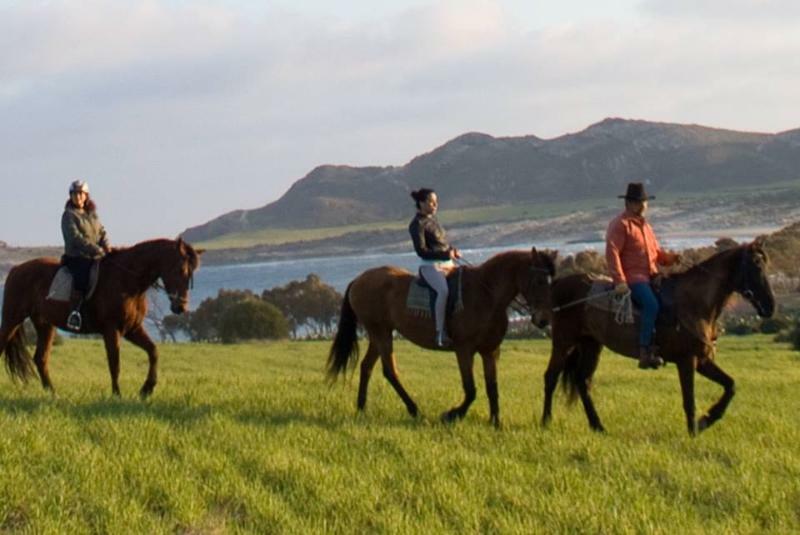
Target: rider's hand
point(621, 289)
point(455, 254)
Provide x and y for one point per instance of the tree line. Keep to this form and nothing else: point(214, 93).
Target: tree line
point(307, 309)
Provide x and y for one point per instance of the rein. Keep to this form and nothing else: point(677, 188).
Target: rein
point(157, 285)
point(517, 305)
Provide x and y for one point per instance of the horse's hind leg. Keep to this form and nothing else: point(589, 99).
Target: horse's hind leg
point(707, 368)
point(465, 362)
point(390, 372)
point(45, 333)
point(139, 337)
point(367, 364)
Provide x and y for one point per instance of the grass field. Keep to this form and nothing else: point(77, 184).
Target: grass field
point(465, 216)
point(249, 438)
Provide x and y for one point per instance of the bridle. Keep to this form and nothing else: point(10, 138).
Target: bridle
point(174, 297)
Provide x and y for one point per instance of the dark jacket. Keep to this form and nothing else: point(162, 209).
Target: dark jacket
point(84, 236)
point(429, 239)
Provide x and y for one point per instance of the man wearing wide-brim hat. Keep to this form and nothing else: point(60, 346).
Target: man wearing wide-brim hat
point(633, 255)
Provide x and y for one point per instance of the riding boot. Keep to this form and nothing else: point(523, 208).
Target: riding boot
point(74, 320)
point(648, 358)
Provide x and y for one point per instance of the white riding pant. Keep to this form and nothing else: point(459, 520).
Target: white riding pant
point(436, 277)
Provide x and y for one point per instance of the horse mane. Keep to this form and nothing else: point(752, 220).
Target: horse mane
point(158, 244)
point(503, 258)
point(702, 268)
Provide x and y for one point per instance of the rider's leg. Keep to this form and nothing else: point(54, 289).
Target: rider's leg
point(437, 280)
point(642, 294)
point(80, 269)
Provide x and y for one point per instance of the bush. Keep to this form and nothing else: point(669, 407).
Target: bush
point(29, 331)
point(774, 325)
point(740, 326)
point(252, 319)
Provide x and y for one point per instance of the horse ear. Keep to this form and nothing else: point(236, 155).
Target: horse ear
point(199, 251)
point(533, 251)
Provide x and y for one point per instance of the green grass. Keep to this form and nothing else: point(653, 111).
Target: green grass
point(503, 213)
point(465, 216)
point(277, 236)
point(249, 438)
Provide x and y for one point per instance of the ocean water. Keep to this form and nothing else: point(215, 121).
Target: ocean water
point(338, 271)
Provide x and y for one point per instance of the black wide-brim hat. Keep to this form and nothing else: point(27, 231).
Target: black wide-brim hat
point(635, 192)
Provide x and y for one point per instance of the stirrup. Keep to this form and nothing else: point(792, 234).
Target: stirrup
point(74, 320)
point(648, 360)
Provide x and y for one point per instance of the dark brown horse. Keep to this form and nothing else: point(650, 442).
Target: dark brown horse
point(117, 307)
point(377, 300)
point(580, 332)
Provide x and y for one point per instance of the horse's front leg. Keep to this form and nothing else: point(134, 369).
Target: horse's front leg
point(686, 376)
point(111, 339)
point(466, 359)
point(139, 337)
point(707, 368)
point(490, 376)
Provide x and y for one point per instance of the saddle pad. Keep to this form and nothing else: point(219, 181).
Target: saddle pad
point(61, 287)
point(665, 293)
point(421, 297)
point(596, 299)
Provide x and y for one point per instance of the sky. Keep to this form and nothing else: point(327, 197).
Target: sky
point(176, 112)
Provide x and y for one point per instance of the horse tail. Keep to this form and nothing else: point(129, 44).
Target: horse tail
point(344, 349)
point(579, 368)
point(17, 358)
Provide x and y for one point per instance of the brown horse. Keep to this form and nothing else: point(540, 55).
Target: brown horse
point(580, 332)
point(117, 307)
point(377, 300)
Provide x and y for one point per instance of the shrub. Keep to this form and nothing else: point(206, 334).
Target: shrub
point(252, 319)
point(774, 325)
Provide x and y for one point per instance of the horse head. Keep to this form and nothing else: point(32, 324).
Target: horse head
point(178, 264)
point(535, 286)
point(751, 279)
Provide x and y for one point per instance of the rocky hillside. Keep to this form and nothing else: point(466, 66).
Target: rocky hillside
point(479, 170)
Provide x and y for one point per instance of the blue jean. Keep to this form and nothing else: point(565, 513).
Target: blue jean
point(643, 296)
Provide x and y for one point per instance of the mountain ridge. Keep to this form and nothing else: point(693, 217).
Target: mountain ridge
point(477, 170)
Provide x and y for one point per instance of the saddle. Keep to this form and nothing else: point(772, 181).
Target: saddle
point(600, 297)
point(61, 286)
point(422, 298)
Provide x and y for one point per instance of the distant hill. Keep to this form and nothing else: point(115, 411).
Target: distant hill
point(478, 170)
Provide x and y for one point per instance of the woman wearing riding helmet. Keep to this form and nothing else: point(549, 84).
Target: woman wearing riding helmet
point(85, 241)
point(430, 244)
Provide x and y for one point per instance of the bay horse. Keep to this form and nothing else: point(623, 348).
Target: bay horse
point(117, 307)
point(376, 299)
point(580, 332)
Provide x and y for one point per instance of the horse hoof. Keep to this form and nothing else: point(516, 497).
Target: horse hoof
point(413, 411)
point(448, 417)
point(703, 424)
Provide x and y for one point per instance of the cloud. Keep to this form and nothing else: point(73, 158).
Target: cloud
point(189, 110)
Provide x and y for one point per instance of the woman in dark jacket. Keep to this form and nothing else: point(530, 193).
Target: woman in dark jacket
point(85, 241)
point(430, 244)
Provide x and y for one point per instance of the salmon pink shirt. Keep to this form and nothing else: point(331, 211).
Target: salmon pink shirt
point(632, 250)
